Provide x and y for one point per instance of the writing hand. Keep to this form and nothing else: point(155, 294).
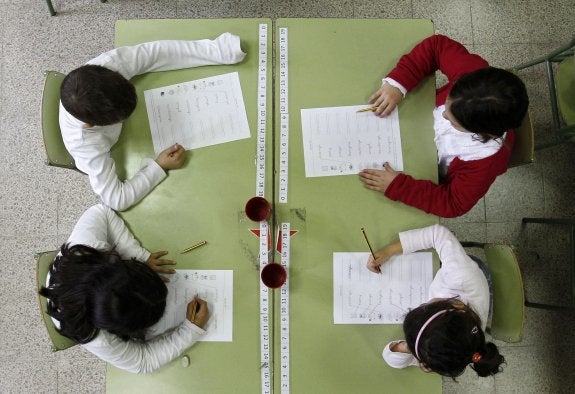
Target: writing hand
point(157, 264)
point(383, 255)
point(198, 312)
point(172, 157)
point(385, 99)
point(378, 180)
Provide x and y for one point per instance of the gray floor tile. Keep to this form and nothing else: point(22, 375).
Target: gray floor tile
point(469, 382)
point(81, 375)
point(511, 197)
point(536, 369)
point(466, 231)
point(383, 9)
point(450, 17)
point(28, 374)
point(219, 9)
point(500, 21)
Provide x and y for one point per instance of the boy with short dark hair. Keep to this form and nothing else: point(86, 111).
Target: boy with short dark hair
point(97, 97)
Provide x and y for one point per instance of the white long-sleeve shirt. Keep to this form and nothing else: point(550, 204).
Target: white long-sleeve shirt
point(100, 228)
point(90, 146)
point(459, 276)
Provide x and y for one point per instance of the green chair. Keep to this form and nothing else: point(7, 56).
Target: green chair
point(561, 90)
point(508, 316)
point(571, 224)
point(43, 261)
point(56, 153)
point(51, 6)
point(524, 148)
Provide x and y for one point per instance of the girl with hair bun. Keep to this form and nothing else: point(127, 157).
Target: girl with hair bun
point(446, 334)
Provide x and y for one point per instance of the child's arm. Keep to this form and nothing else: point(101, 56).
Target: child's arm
point(437, 52)
point(466, 183)
point(171, 55)
point(382, 255)
point(146, 357)
point(100, 228)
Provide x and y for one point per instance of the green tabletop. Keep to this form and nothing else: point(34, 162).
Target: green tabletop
point(332, 63)
point(202, 201)
point(339, 62)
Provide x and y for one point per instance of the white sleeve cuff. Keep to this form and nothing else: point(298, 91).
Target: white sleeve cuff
point(395, 84)
point(398, 359)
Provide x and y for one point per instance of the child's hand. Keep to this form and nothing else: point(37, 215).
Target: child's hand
point(378, 179)
point(385, 99)
point(157, 264)
point(382, 255)
point(172, 158)
point(198, 312)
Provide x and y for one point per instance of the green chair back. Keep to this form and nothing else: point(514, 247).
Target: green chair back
point(56, 153)
point(566, 90)
point(508, 297)
point(43, 261)
point(524, 148)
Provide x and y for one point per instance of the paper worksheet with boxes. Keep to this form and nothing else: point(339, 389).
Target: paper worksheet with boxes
point(213, 286)
point(364, 297)
point(343, 141)
point(198, 113)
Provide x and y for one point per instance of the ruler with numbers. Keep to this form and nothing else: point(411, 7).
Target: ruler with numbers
point(284, 116)
point(265, 359)
point(284, 312)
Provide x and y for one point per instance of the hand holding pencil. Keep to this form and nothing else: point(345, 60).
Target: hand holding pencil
point(385, 99)
point(198, 312)
point(376, 259)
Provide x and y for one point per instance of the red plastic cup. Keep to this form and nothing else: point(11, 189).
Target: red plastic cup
point(273, 275)
point(258, 209)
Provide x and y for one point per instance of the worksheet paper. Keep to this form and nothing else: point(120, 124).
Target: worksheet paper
point(213, 286)
point(342, 141)
point(364, 297)
point(198, 113)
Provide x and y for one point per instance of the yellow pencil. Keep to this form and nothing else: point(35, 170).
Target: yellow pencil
point(193, 247)
point(367, 109)
point(369, 245)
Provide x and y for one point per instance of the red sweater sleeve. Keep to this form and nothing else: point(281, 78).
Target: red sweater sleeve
point(437, 52)
point(465, 184)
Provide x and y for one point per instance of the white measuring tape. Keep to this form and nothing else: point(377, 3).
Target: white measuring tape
point(262, 102)
point(265, 359)
point(284, 116)
point(284, 311)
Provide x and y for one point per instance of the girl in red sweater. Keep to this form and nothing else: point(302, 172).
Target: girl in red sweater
point(474, 118)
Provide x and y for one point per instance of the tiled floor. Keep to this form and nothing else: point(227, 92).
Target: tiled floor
point(39, 205)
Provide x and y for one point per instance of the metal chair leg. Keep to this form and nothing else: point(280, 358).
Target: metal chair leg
point(51, 7)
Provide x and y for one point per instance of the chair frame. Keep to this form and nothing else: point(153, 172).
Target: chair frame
point(51, 6)
point(562, 134)
point(511, 331)
point(571, 224)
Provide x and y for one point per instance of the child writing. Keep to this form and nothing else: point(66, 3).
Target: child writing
point(473, 121)
point(445, 334)
point(97, 97)
point(104, 291)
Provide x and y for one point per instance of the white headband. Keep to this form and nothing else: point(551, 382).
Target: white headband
point(424, 327)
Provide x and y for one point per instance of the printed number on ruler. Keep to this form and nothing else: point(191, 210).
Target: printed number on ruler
point(264, 316)
point(262, 110)
point(266, 379)
point(284, 311)
point(284, 117)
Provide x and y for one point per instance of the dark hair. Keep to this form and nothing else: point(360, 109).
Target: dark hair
point(97, 95)
point(448, 343)
point(489, 101)
point(91, 290)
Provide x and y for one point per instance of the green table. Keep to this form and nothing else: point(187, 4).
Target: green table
point(202, 201)
point(338, 62)
point(332, 63)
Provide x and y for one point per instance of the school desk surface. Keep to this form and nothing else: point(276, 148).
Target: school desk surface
point(332, 62)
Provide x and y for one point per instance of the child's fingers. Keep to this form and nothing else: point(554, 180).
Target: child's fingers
point(159, 254)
